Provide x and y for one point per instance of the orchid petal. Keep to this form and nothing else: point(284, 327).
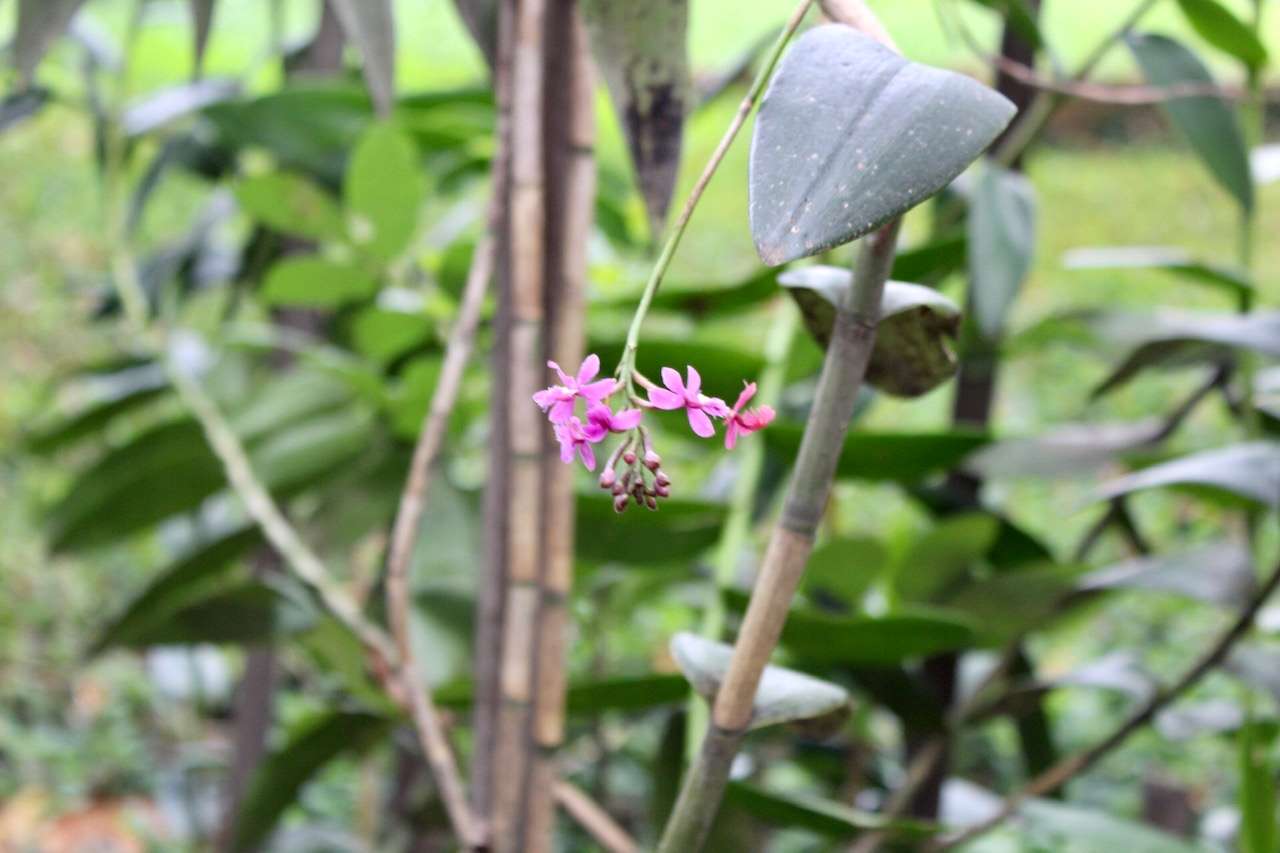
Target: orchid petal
point(597, 391)
point(625, 420)
point(731, 434)
point(588, 369)
point(546, 398)
point(713, 406)
point(672, 380)
point(562, 411)
point(588, 456)
point(595, 431)
point(564, 380)
point(694, 384)
point(700, 423)
point(747, 393)
point(660, 398)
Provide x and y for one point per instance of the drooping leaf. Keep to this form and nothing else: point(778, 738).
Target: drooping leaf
point(678, 530)
point(20, 106)
point(642, 52)
point(1001, 228)
point(913, 349)
point(1171, 259)
point(383, 191)
point(939, 559)
point(1218, 573)
point(384, 335)
point(241, 614)
point(40, 23)
point(1220, 27)
point(310, 281)
point(783, 695)
point(175, 587)
point(903, 457)
point(1206, 121)
point(1070, 450)
point(932, 262)
point(844, 567)
point(170, 104)
point(704, 300)
point(311, 448)
point(635, 693)
point(1250, 471)
point(370, 25)
point(94, 419)
point(279, 780)
point(1259, 830)
point(1007, 604)
point(291, 204)
point(201, 26)
point(480, 17)
point(850, 135)
point(825, 817)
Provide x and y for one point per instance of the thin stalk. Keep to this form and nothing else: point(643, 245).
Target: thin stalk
point(737, 525)
point(588, 814)
point(626, 365)
point(852, 340)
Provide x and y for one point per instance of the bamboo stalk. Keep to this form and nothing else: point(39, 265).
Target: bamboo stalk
point(852, 340)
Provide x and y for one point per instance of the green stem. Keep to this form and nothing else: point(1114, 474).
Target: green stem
point(626, 364)
point(737, 526)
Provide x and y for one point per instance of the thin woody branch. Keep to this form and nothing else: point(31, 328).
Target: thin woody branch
point(589, 815)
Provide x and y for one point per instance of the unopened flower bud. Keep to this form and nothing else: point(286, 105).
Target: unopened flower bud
point(620, 503)
point(662, 491)
point(619, 489)
point(638, 495)
point(626, 480)
point(662, 479)
point(629, 457)
point(651, 503)
point(652, 460)
point(608, 478)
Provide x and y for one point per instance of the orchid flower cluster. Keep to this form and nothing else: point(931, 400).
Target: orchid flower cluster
point(633, 471)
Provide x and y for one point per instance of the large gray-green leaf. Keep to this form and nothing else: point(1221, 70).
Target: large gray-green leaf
point(370, 25)
point(913, 351)
point(1250, 471)
point(642, 51)
point(1219, 573)
point(900, 457)
point(1070, 450)
point(1168, 258)
point(825, 817)
point(40, 22)
point(850, 135)
point(1206, 121)
point(1001, 226)
point(783, 696)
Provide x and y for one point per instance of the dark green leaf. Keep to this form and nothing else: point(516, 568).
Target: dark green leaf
point(408, 405)
point(1217, 25)
point(714, 300)
point(679, 530)
point(1070, 450)
point(914, 350)
point(20, 106)
point(1250, 471)
point(850, 135)
point(1219, 573)
point(1007, 604)
point(242, 614)
point(932, 262)
point(279, 780)
point(294, 396)
point(383, 191)
point(314, 282)
point(844, 567)
point(1001, 227)
point(642, 52)
point(94, 420)
point(292, 204)
point(40, 23)
point(370, 25)
point(311, 449)
point(383, 335)
point(634, 693)
point(1206, 121)
point(1259, 831)
point(939, 560)
point(824, 817)
point(1173, 260)
point(178, 585)
point(1019, 18)
point(904, 457)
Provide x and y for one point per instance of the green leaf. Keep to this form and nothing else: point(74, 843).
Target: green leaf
point(40, 23)
point(384, 190)
point(1250, 471)
point(642, 53)
point(703, 300)
point(20, 106)
point(242, 614)
point(938, 560)
point(850, 135)
point(301, 393)
point(311, 449)
point(480, 17)
point(1173, 260)
point(201, 26)
point(1217, 25)
point(94, 419)
point(370, 26)
point(412, 397)
point(1206, 121)
point(903, 457)
point(176, 586)
point(1258, 826)
point(782, 696)
point(278, 781)
point(315, 282)
point(1071, 450)
point(383, 335)
point(844, 567)
point(914, 350)
point(293, 205)
point(1001, 227)
point(1074, 829)
point(932, 262)
point(627, 693)
point(824, 817)
point(1218, 573)
point(679, 531)
point(1006, 605)
point(1019, 17)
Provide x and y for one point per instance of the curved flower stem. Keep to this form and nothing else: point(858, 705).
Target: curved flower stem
point(626, 365)
point(1070, 767)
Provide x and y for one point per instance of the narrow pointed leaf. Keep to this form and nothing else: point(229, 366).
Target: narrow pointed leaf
point(242, 614)
point(1207, 122)
point(480, 17)
point(825, 817)
point(903, 457)
point(201, 26)
point(20, 106)
point(1259, 829)
point(1219, 573)
point(1071, 450)
point(850, 135)
point(1167, 258)
point(1001, 226)
point(1250, 471)
point(642, 52)
point(370, 26)
point(679, 530)
point(40, 23)
point(941, 557)
point(783, 696)
point(914, 350)
point(1220, 27)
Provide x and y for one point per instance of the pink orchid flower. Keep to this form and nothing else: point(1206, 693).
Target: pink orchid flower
point(686, 395)
point(739, 422)
point(602, 417)
point(558, 399)
point(574, 436)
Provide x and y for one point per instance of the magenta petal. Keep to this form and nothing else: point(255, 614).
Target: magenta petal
point(564, 380)
point(597, 391)
point(701, 424)
point(747, 393)
point(713, 406)
point(625, 420)
point(672, 380)
point(694, 385)
point(546, 398)
point(588, 456)
point(595, 431)
point(731, 434)
point(589, 368)
point(562, 411)
point(663, 399)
